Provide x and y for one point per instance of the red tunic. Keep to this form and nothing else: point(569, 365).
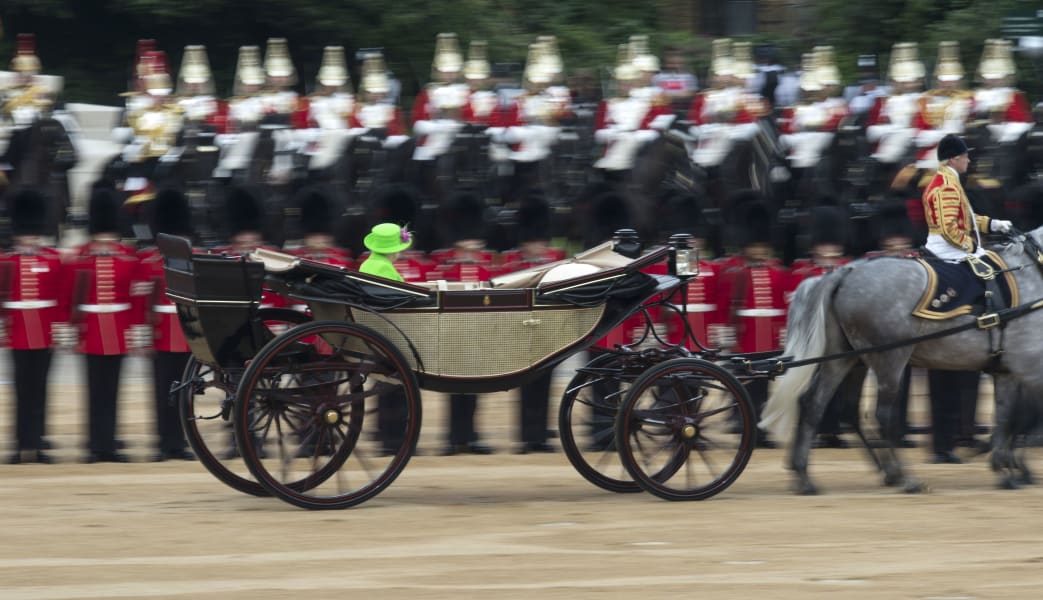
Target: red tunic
point(33, 286)
point(104, 275)
point(167, 335)
point(755, 293)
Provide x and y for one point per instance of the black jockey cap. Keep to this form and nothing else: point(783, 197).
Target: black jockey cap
point(533, 217)
point(171, 213)
point(951, 146)
point(467, 218)
point(682, 213)
point(28, 212)
point(316, 208)
point(244, 210)
point(103, 210)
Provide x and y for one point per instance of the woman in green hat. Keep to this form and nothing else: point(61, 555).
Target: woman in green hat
point(384, 242)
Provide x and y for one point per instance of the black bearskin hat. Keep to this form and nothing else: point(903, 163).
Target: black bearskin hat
point(682, 213)
point(756, 226)
point(829, 225)
point(533, 218)
point(28, 212)
point(244, 210)
point(608, 213)
point(466, 218)
point(171, 213)
point(397, 203)
point(892, 221)
point(103, 212)
point(316, 208)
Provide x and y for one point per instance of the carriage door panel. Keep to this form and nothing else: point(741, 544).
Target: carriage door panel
point(484, 333)
point(555, 328)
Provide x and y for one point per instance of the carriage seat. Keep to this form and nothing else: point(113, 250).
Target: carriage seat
point(582, 265)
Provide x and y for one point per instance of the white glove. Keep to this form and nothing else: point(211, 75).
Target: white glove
point(1000, 226)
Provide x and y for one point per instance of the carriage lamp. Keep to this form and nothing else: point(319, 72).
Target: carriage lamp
point(685, 258)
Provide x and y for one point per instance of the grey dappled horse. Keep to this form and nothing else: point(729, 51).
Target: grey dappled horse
point(869, 303)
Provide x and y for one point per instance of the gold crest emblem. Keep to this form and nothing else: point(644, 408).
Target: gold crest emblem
point(486, 301)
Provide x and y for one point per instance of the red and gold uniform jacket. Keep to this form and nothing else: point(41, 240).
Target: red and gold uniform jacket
point(106, 277)
point(33, 296)
point(948, 212)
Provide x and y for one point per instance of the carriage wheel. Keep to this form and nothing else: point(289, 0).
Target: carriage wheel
point(327, 415)
point(686, 429)
point(587, 423)
point(205, 403)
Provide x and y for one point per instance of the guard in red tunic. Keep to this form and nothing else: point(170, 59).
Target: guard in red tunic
point(828, 229)
point(534, 217)
point(170, 215)
point(104, 273)
point(754, 285)
point(32, 282)
point(244, 215)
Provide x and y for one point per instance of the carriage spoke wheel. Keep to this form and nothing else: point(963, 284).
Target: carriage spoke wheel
point(327, 415)
point(587, 423)
point(686, 429)
point(205, 406)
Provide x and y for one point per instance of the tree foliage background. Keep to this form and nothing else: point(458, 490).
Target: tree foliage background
point(91, 42)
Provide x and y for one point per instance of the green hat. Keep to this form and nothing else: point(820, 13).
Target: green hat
point(387, 238)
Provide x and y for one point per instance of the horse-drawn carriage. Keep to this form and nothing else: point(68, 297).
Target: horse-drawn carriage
point(325, 409)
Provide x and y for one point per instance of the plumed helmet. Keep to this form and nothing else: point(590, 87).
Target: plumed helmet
point(448, 58)
point(467, 218)
point(28, 212)
point(905, 63)
point(157, 74)
point(248, 71)
point(244, 210)
point(25, 59)
point(277, 62)
point(951, 146)
point(171, 213)
point(195, 71)
point(477, 66)
point(333, 73)
point(948, 67)
point(374, 75)
point(103, 210)
point(534, 218)
point(316, 208)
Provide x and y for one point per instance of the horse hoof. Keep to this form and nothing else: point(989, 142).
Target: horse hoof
point(1009, 483)
point(1026, 479)
point(806, 488)
point(892, 479)
point(913, 486)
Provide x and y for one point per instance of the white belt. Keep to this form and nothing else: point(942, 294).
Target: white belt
point(29, 304)
point(169, 309)
point(104, 308)
point(760, 312)
point(699, 308)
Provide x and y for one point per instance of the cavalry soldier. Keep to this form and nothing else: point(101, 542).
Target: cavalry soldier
point(170, 214)
point(722, 113)
point(808, 128)
point(534, 121)
point(438, 109)
point(33, 298)
point(246, 107)
point(333, 101)
point(157, 129)
point(281, 104)
point(943, 109)
point(195, 91)
point(106, 276)
point(482, 108)
point(625, 123)
point(40, 151)
point(1004, 108)
point(890, 123)
point(375, 112)
point(753, 284)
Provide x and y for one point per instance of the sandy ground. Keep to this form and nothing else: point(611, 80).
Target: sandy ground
point(503, 526)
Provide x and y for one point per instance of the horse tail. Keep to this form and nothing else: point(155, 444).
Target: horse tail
point(807, 326)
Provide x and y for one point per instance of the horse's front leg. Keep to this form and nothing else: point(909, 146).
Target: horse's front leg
point(1006, 399)
point(887, 417)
